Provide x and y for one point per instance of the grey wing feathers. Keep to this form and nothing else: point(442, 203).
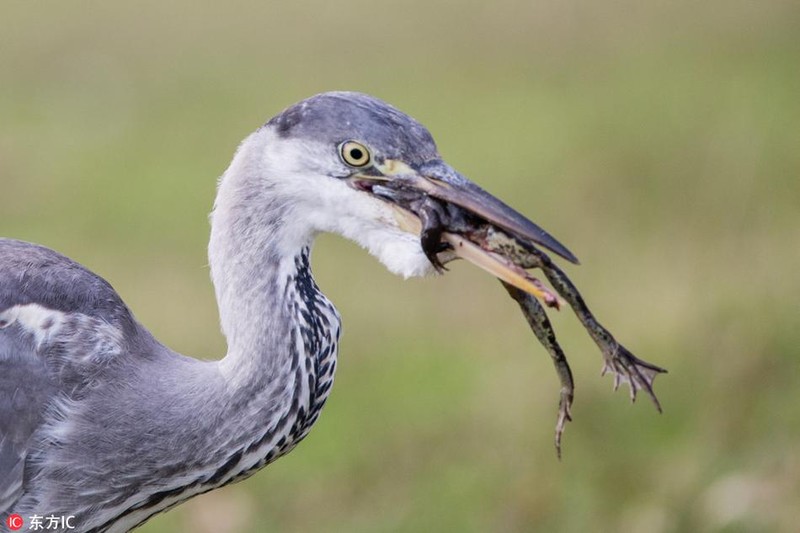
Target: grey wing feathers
point(32, 274)
point(25, 390)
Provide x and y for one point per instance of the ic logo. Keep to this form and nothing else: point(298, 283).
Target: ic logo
point(14, 522)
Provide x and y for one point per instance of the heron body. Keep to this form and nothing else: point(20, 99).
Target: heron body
point(101, 421)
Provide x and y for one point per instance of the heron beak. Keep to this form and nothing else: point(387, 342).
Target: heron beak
point(407, 188)
point(441, 181)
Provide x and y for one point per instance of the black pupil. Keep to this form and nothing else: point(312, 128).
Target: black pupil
point(356, 154)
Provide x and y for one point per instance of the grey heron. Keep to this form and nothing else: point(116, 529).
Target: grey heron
point(100, 421)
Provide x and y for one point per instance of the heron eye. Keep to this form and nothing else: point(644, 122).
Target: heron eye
point(355, 154)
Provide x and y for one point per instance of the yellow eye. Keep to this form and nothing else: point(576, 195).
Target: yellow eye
point(355, 154)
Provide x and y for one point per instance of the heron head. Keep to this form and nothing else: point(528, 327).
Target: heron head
point(351, 164)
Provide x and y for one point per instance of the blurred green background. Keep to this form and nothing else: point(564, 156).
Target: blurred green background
point(660, 141)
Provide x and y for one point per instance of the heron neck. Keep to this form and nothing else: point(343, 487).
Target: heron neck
point(255, 240)
point(281, 331)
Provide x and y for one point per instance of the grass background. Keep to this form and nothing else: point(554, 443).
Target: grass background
point(660, 141)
